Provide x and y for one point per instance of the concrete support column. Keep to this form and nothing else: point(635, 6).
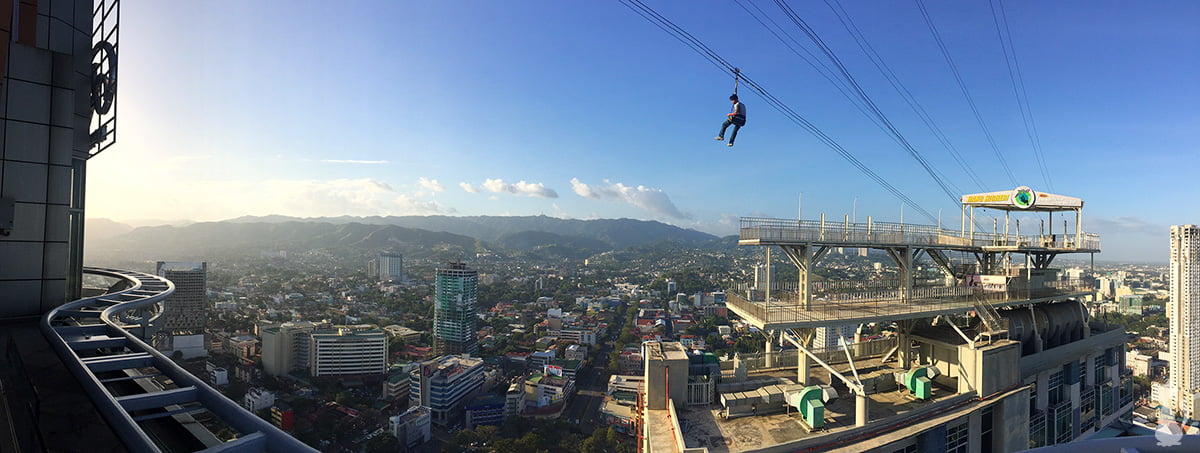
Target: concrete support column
point(860, 409)
point(1043, 391)
point(975, 431)
point(904, 345)
point(1090, 377)
point(803, 369)
point(770, 354)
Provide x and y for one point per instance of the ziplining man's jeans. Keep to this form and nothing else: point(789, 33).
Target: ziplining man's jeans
point(737, 123)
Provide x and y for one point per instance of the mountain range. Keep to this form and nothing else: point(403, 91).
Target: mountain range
point(412, 235)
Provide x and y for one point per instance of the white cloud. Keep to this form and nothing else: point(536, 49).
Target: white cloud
point(649, 199)
point(432, 185)
point(216, 200)
point(520, 188)
point(353, 161)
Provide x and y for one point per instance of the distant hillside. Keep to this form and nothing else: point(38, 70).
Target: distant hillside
point(617, 233)
point(550, 245)
point(101, 229)
point(206, 238)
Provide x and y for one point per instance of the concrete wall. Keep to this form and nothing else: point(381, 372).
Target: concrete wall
point(994, 370)
point(45, 109)
point(659, 358)
point(1010, 418)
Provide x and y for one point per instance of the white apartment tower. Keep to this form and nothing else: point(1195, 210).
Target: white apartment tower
point(185, 310)
point(1184, 312)
point(391, 267)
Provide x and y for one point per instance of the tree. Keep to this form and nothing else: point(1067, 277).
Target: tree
point(383, 443)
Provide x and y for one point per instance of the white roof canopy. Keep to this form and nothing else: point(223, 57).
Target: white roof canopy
point(1022, 199)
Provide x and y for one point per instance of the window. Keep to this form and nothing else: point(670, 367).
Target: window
point(908, 449)
point(1054, 390)
point(985, 434)
point(1037, 429)
point(1062, 423)
point(958, 439)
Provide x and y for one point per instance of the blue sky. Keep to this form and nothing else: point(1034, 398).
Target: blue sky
point(585, 110)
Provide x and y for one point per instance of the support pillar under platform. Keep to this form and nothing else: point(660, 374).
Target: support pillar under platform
point(861, 403)
point(770, 350)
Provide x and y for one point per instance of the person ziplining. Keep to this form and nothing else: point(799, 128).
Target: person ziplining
point(736, 117)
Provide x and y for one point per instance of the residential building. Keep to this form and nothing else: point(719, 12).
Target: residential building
point(580, 334)
point(282, 416)
point(412, 428)
point(395, 387)
point(576, 352)
point(185, 310)
point(567, 367)
point(285, 347)
point(455, 310)
point(619, 409)
point(546, 394)
point(403, 333)
point(540, 359)
point(257, 399)
point(1183, 311)
point(216, 375)
point(486, 409)
point(391, 267)
point(827, 336)
point(514, 400)
point(444, 384)
point(348, 351)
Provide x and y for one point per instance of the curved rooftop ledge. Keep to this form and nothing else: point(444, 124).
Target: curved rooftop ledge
point(94, 339)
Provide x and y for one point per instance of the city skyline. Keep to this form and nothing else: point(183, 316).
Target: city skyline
point(395, 118)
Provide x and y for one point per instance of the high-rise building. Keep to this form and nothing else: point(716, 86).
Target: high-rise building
point(348, 351)
point(48, 136)
point(186, 309)
point(391, 267)
point(444, 385)
point(1184, 310)
point(57, 111)
point(827, 337)
point(285, 347)
point(454, 312)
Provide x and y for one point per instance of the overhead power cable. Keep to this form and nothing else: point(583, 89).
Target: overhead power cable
point(905, 94)
point(808, 57)
point(1018, 84)
point(700, 48)
point(870, 103)
point(966, 93)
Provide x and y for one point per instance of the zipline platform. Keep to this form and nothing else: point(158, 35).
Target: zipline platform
point(992, 278)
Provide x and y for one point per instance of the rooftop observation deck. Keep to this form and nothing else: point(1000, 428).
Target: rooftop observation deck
point(826, 303)
point(764, 231)
point(786, 310)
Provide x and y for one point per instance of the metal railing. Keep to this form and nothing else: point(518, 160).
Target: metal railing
point(834, 355)
point(94, 337)
point(887, 233)
point(787, 307)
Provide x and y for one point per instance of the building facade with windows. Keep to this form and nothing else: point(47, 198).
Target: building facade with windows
point(391, 267)
point(443, 385)
point(455, 310)
point(186, 310)
point(285, 347)
point(1183, 309)
point(348, 351)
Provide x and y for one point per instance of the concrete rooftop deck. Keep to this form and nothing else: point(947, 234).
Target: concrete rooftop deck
point(704, 426)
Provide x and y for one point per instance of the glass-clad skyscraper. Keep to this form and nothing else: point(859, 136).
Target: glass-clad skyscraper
point(455, 309)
